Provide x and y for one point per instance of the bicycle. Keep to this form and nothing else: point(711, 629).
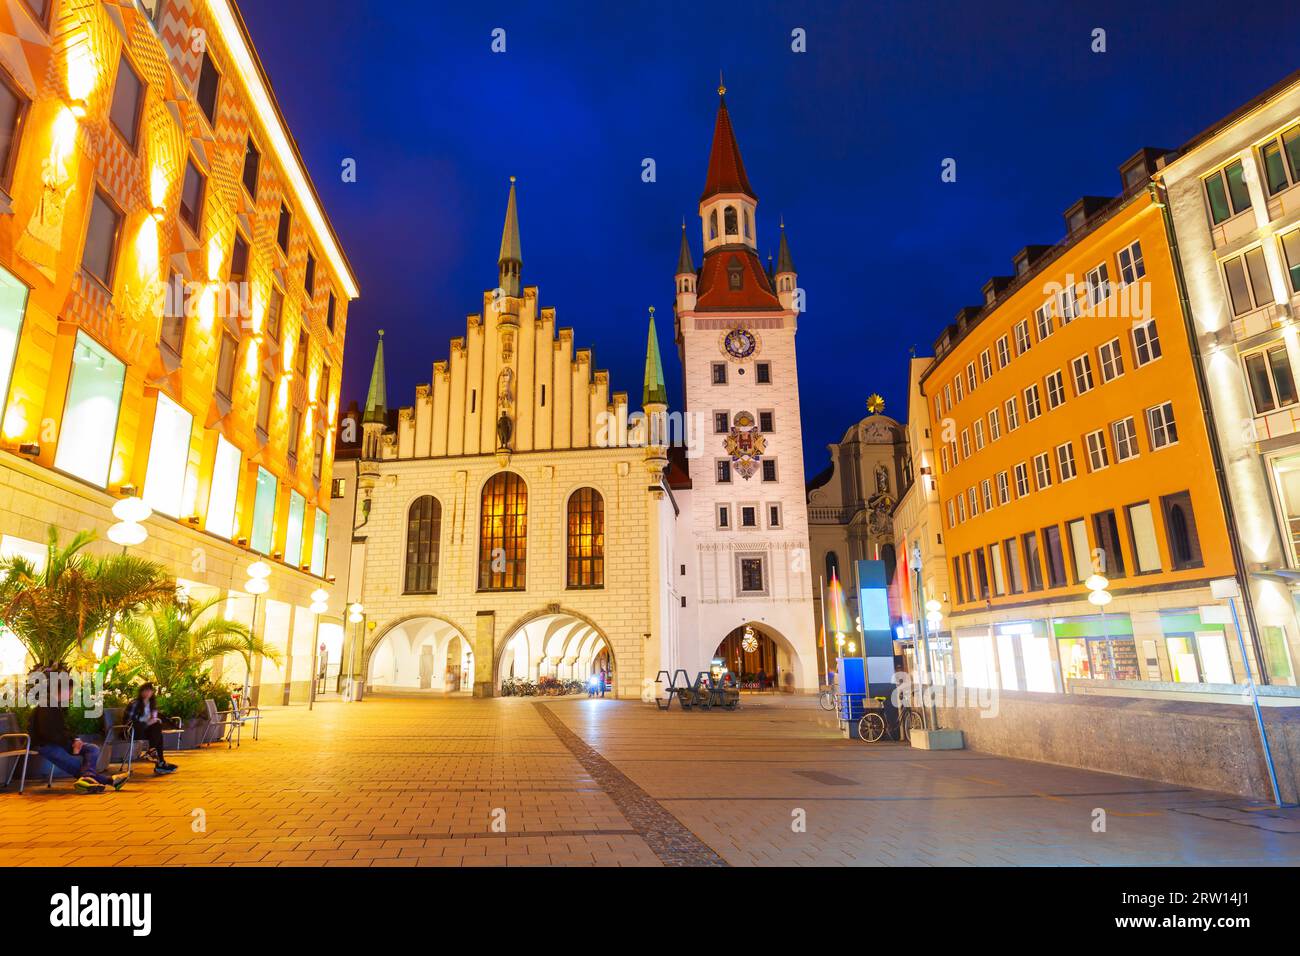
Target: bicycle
point(886, 718)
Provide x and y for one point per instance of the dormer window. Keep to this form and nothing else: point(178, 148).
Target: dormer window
point(730, 222)
point(735, 273)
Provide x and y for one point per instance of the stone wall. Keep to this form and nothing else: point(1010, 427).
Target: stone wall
point(1207, 746)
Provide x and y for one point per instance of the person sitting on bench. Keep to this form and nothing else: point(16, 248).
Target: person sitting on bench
point(142, 714)
point(54, 742)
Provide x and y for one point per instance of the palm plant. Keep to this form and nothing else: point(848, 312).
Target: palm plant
point(56, 610)
point(170, 646)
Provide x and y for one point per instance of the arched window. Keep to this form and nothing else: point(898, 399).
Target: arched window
point(423, 529)
point(729, 220)
point(586, 539)
point(713, 224)
point(503, 534)
point(749, 232)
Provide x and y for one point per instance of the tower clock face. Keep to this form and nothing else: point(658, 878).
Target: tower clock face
point(740, 343)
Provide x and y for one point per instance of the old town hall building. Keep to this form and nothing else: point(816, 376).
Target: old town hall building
point(523, 519)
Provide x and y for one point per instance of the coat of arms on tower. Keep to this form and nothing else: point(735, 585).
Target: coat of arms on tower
point(745, 444)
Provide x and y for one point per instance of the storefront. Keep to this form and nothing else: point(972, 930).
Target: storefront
point(1198, 652)
point(1096, 647)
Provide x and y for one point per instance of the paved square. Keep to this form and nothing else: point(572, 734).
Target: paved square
point(518, 781)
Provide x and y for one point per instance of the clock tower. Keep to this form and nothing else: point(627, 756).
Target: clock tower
point(746, 576)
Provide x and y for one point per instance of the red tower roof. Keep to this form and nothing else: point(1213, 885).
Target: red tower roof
point(726, 169)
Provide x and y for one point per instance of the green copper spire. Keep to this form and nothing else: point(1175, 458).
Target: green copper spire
point(377, 398)
point(656, 393)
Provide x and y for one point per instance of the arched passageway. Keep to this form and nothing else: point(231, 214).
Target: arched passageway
point(421, 654)
point(556, 644)
point(757, 658)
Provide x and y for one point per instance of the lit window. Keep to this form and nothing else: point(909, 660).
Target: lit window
point(503, 533)
point(225, 489)
point(294, 529)
point(263, 535)
point(423, 540)
point(169, 453)
point(13, 307)
point(586, 544)
point(320, 542)
point(1142, 529)
point(89, 423)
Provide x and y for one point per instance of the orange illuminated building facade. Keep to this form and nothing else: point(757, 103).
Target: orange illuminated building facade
point(1071, 442)
point(173, 305)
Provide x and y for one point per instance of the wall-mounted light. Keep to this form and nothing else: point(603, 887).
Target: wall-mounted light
point(78, 109)
point(158, 213)
point(30, 449)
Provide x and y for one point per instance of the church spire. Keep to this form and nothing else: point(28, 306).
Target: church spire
point(377, 397)
point(685, 264)
point(726, 169)
point(511, 259)
point(656, 392)
point(783, 261)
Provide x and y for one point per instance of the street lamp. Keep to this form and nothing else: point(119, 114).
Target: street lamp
point(933, 621)
point(356, 614)
point(256, 585)
point(128, 532)
point(318, 607)
point(1099, 597)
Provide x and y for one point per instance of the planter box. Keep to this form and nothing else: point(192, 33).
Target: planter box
point(938, 740)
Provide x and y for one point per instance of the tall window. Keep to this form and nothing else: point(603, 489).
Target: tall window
point(1180, 526)
point(1290, 248)
point(252, 166)
point(263, 535)
point(13, 307)
point(503, 534)
point(319, 544)
point(100, 253)
point(128, 97)
point(423, 535)
point(586, 539)
point(90, 413)
point(294, 529)
point(192, 189)
point(729, 221)
point(13, 110)
point(169, 454)
point(224, 490)
point(209, 84)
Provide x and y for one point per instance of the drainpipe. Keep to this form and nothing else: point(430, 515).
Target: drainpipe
point(1160, 197)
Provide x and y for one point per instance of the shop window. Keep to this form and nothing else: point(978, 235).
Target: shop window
point(13, 309)
point(263, 535)
point(294, 529)
point(503, 533)
point(1272, 386)
point(225, 489)
point(1180, 528)
point(169, 453)
point(100, 253)
point(319, 543)
point(89, 423)
point(1277, 658)
point(1142, 537)
point(1054, 556)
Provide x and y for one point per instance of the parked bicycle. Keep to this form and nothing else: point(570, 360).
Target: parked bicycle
point(885, 719)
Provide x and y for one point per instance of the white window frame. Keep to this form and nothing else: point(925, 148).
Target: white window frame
point(1010, 406)
point(1004, 488)
point(1065, 463)
point(1124, 433)
point(1044, 324)
point(1131, 265)
point(1042, 471)
point(1160, 423)
point(1023, 487)
point(979, 434)
point(1146, 343)
point(1023, 341)
point(1033, 404)
point(1098, 453)
point(1081, 373)
point(1004, 351)
point(995, 425)
point(1054, 384)
point(986, 365)
point(1098, 285)
point(1110, 359)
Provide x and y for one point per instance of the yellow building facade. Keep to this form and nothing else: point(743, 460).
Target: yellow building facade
point(1071, 442)
point(173, 305)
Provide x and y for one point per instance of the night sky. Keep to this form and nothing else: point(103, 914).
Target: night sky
point(846, 141)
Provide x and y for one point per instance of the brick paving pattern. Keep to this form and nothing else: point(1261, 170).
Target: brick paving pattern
point(460, 782)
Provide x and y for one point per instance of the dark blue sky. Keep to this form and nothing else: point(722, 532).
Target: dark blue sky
point(845, 140)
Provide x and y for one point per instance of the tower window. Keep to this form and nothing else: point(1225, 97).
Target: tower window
point(749, 232)
point(719, 373)
point(730, 221)
point(735, 273)
point(713, 224)
point(763, 373)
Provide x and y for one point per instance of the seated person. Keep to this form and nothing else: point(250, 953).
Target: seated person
point(142, 713)
point(54, 742)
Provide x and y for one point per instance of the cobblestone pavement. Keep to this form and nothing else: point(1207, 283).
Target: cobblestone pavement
point(450, 782)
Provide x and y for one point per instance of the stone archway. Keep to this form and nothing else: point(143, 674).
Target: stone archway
point(556, 643)
point(421, 654)
point(773, 663)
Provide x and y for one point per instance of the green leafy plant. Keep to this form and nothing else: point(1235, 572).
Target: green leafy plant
point(173, 643)
point(55, 611)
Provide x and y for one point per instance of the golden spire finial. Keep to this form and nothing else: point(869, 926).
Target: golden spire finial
point(652, 311)
point(512, 179)
point(722, 89)
point(875, 404)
